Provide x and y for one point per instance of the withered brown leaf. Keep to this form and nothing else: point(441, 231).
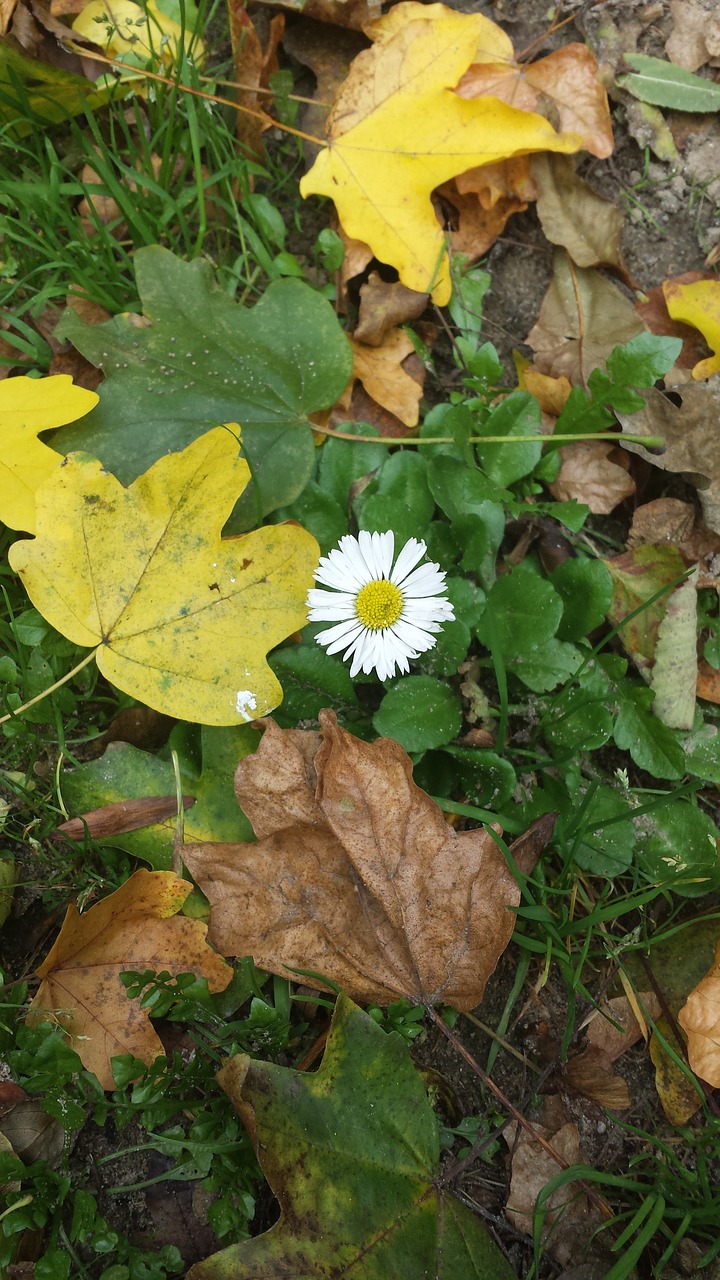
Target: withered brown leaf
point(356, 874)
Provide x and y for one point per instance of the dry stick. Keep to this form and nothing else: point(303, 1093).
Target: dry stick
point(45, 693)
point(459, 1047)
point(199, 93)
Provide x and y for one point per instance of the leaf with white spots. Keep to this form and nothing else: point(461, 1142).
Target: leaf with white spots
point(196, 359)
point(179, 618)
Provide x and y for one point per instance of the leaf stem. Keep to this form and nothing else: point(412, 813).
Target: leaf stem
point(46, 692)
point(650, 442)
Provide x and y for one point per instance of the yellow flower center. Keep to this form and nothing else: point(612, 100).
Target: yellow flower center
point(379, 604)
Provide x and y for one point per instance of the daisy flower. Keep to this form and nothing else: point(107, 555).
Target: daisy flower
point(386, 613)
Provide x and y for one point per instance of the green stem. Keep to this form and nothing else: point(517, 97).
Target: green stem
point(650, 442)
point(46, 692)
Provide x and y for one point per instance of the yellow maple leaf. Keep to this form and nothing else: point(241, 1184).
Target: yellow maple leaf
point(178, 618)
point(698, 304)
point(27, 407)
point(135, 928)
point(130, 33)
point(397, 131)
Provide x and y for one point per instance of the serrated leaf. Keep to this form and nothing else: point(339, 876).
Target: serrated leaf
point(642, 360)
point(665, 85)
point(179, 618)
point(200, 359)
point(373, 1179)
point(419, 713)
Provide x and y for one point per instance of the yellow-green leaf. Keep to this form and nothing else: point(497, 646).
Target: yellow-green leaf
point(181, 619)
point(27, 407)
point(698, 304)
point(397, 131)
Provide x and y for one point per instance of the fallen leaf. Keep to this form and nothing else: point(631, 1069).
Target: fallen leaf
point(383, 306)
point(134, 35)
point(568, 1211)
point(637, 576)
point(679, 1096)
point(396, 133)
point(354, 875)
point(593, 472)
point(658, 320)
point(327, 51)
point(564, 87)
point(576, 217)
point(698, 304)
point(251, 66)
point(32, 1133)
point(691, 438)
point(372, 1181)
point(552, 393)
point(483, 199)
point(590, 1074)
point(207, 759)
point(180, 619)
point(380, 369)
point(135, 928)
point(700, 1019)
point(27, 407)
point(194, 357)
point(583, 317)
point(675, 669)
point(708, 682)
point(343, 13)
point(614, 1040)
point(7, 8)
point(695, 37)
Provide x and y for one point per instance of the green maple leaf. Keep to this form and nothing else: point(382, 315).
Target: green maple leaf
point(199, 360)
point(352, 1152)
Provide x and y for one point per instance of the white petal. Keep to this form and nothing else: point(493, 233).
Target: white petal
point(428, 580)
point(324, 605)
point(336, 637)
point(415, 639)
point(344, 567)
point(412, 552)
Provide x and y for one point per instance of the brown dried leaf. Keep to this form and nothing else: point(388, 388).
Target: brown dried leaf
point(576, 217)
point(614, 1040)
point(700, 1019)
point(563, 86)
point(670, 521)
point(248, 60)
point(568, 1212)
point(328, 52)
point(484, 198)
point(356, 875)
point(692, 442)
point(339, 13)
point(582, 318)
point(708, 682)
point(383, 306)
point(695, 38)
point(383, 375)
point(134, 928)
point(590, 1074)
point(678, 1095)
point(593, 472)
point(7, 8)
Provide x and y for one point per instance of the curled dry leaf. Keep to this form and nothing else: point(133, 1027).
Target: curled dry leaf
point(590, 1074)
point(692, 443)
point(356, 875)
point(614, 1027)
point(382, 373)
point(252, 65)
point(593, 472)
point(121, 816)
point(383, 306)
point(483, 199)
point(135, 928)
point(700, 1019)
point(695, 37)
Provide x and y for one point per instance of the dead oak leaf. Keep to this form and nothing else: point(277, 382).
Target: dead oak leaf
point(355, 875)
point(381, 371)
point(397, 131)
point(593, 472)
point(135, 928)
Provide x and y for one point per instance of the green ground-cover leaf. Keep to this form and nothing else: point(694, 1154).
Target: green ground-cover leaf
point(606, 842)
point(578, 721)
point(31, 88)
point(678, 847)
point(199, 359)
point(702, 753)
point(665, 85)
point(585, 588)
point(419, 713)
point(319, 513)
point(652, 746)
point(311, 679)
point(207, 767)
point(399, 500)
point(342, 463)
point(517, 415)
point(352, 1151)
